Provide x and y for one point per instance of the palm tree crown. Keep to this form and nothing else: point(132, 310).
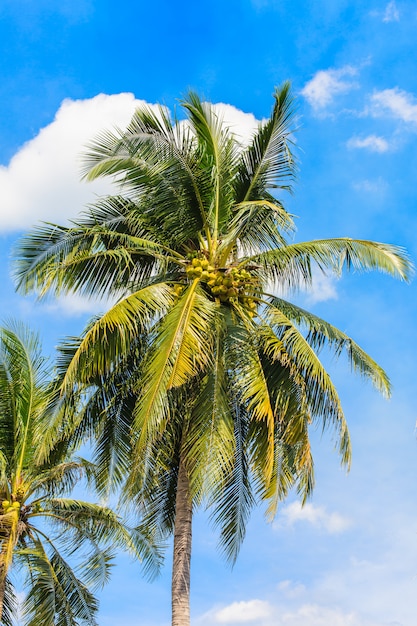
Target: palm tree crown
point(209, 377)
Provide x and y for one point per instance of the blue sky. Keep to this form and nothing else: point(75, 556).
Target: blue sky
point(69, 69)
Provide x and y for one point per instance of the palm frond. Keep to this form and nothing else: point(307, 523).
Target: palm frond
point(256, 225)
point(253, 392)
point(290, 267)
point(116, 329)
point(181, 347)
point(320, 333)
point(10, 605)
point(293, 463)
point(268, 162)
point(24, 390)
point(233, 503)
point(218, 159)
point(40, 602)
point(208, 446)
point(156, 161)
point(57, 595)
point(59, 479)
point(318, 391)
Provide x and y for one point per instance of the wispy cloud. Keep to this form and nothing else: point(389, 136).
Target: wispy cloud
point(242, 612)
point(316, 516)
point(375, 186)
point(391, 13)
point(66, 306)
point(323, 288)
point(74, 305)
point(395, 103)
point(266, 614)
point(316, 615)
point(290, 589)
point(373, 143)
point(325, 85)
point(388, 14)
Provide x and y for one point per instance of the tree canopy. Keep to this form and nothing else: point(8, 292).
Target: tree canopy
point(203, 373)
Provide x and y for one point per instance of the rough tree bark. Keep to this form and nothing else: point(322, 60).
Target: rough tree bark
point(2, 588)
point(182, 552)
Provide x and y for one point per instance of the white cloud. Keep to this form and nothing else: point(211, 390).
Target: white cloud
point(266, 614)
point(42, 180)
point(242, 612)
point(366, 585)
point(69, 305)
point(243, 125)
point(389, 14)
point(316, 615)
point(323, 288)
point(376, 186)
point(317, 516)
point(392, 13)
point(290, 589)
point(74, 305)
point(371, 142)
point(396, 103)
point(321, 90)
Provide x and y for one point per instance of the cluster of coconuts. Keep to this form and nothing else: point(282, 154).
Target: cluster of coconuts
point(223, 284)
point(10, 506)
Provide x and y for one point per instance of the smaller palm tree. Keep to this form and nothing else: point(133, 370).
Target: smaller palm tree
point(40, 529)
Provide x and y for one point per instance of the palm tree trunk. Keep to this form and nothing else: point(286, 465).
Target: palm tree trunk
point(8, 543)
point(2, 588)
point(182, 552)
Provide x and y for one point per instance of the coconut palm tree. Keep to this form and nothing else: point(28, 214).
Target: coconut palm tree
point(39, 527)
point(204, 379)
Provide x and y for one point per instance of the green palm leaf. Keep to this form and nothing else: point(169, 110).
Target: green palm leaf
point(231, 507)
point(315, 383)
point(321, 333)
point(208, 444)
point(217, 152)
point(269, 159)
point(117, 329)
point(181, 348)
point(291, 266)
